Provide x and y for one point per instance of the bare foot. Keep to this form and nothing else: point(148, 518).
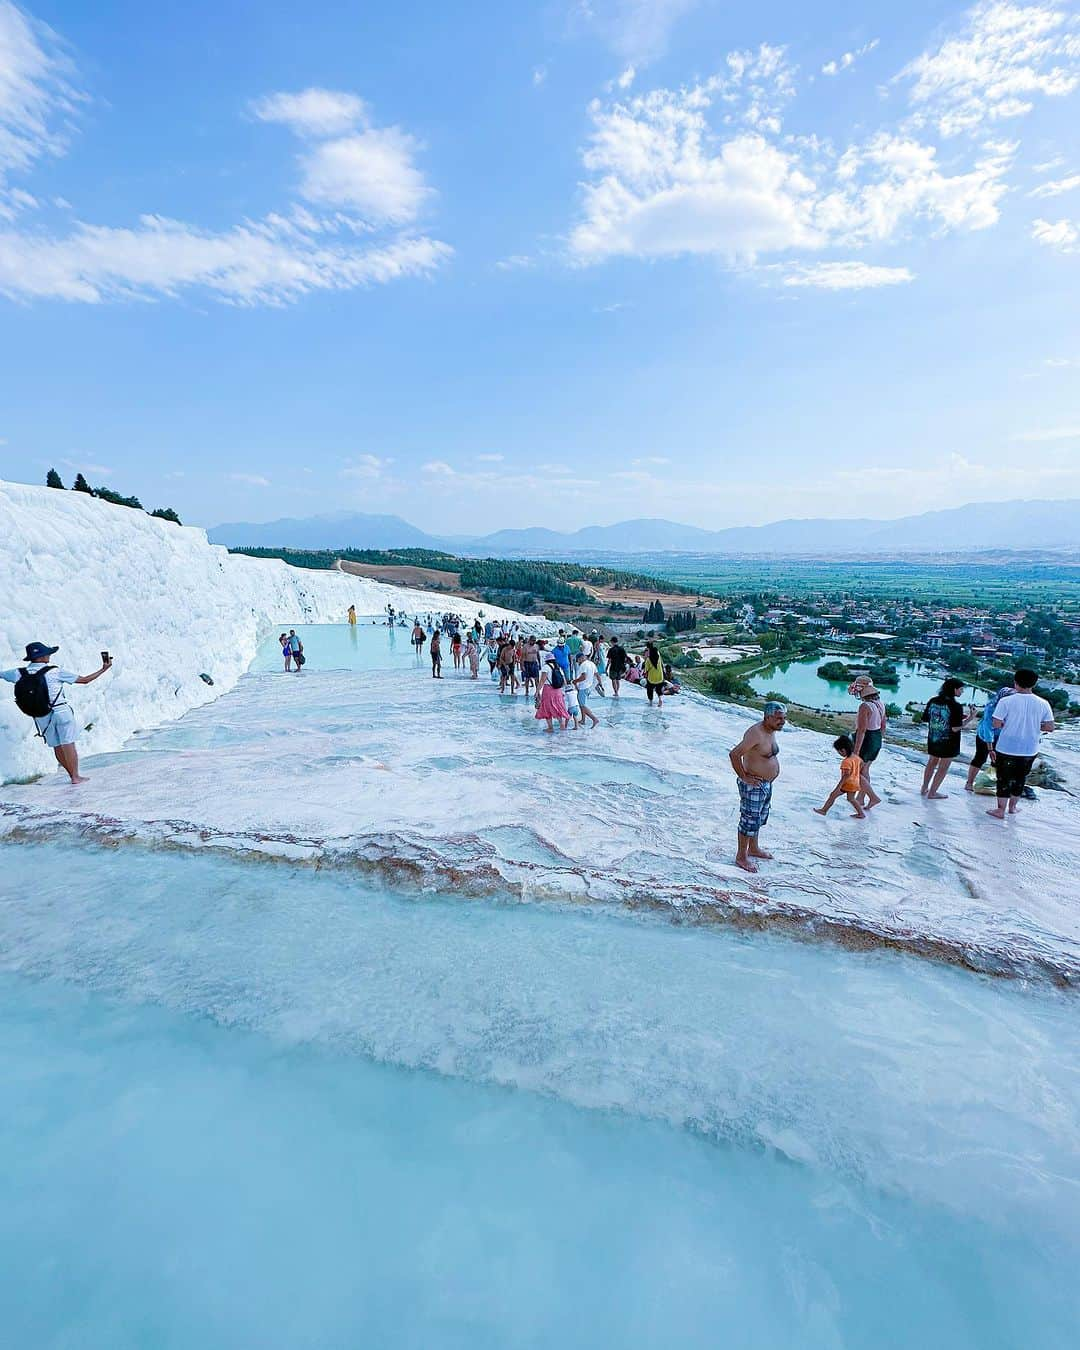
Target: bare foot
point(858, 815)
point(820, 811)
point(745, 864)
point(998, 815)
point(760, 853)
point(936, 796)
point(79, 779)
point(969, 787)
point(867, 806)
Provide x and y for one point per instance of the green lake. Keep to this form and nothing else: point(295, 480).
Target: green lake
point(800, 682)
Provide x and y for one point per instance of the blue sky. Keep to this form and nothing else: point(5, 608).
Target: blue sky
point(486, 264)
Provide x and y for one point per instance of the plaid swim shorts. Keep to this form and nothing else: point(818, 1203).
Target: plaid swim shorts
point(754, 803)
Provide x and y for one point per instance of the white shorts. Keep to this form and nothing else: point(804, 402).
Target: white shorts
point(58, 728)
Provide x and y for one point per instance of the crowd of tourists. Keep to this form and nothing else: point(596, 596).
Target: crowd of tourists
point(564, 675)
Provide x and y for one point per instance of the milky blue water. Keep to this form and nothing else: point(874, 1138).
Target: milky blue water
point(343, 646)
point(255, 1105)
point(800, 682)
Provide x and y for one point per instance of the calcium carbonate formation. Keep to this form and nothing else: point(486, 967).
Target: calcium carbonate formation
point(168, 605)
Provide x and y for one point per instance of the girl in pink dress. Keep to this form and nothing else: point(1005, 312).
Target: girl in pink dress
point(550, 704)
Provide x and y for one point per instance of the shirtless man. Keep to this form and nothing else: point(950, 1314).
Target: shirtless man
point(757, 766)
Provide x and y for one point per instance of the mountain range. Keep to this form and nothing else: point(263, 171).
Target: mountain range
point(978, 525)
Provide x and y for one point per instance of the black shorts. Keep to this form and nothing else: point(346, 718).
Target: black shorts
point(982, 752)
point(657, 689)
point(944, 749)
point(871, 747)
point(1012, 772)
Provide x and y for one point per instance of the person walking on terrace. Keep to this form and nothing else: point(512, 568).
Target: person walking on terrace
point(869, 735)
point(39, 692)
point(945, 719)
point(1020, 721)
point(850, 784)
point(756, 762)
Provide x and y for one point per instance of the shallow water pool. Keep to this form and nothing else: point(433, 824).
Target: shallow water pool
point(343, 646)
point(256, 1104)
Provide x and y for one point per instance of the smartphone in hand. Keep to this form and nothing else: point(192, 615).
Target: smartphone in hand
point(106, 659)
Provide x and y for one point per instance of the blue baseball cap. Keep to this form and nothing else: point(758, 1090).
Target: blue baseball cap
point(37, 651)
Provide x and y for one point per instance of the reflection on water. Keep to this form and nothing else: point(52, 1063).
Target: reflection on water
point(800, 682)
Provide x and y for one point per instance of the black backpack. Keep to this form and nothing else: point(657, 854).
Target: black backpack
point(558, 679)
point(32, 693)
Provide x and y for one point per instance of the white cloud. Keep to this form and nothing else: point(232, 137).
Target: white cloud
point(918, 484)
point(371, 172)
point(365, 466)
point(80, 466)
point(516, 262)
point(848, 59)
point(539, 76)
point(650, 459)
point(439, 468)
point(1050, 434)
point(367, 176)
point(1005, 55)
point(313, 112)
point(637, 30)
point(673, 172)
point(1062, 362)
point(626, 78)
point(1060, 234)
point(268, 262)
point(490, 459)
point(251, 479)
point(1056, 187)
point(37, 99)
point(846, 276)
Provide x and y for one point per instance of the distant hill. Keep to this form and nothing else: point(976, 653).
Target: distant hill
point(338, 529)
point(628, 536)
point(979, 525)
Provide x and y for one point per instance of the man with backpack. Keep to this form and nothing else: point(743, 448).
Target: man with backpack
point(39, 692)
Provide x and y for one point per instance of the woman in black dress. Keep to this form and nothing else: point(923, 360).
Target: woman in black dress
point(945, 718)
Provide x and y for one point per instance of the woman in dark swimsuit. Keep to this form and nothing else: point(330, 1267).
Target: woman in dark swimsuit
point(869, 736)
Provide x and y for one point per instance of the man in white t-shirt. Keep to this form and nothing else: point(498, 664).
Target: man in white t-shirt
point(584, 679)
point(56, 726)
point(1020, 721)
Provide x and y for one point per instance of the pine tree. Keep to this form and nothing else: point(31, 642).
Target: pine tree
point(81, 485)
point(53, 479)
point(108, 495)
point(167, 513)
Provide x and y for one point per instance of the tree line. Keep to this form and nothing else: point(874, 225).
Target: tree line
point(53, 480)
point(550, 581)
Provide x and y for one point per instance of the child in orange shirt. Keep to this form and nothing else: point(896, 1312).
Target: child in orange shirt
point(848, 786)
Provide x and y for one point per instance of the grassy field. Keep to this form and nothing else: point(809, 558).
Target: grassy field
point(995, 585)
